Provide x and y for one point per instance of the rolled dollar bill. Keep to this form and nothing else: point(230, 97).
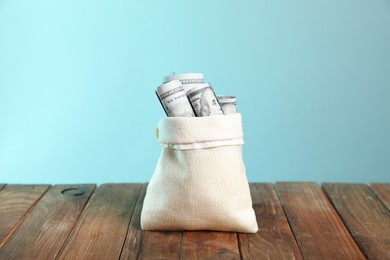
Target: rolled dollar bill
point(174, 100)
point(203, 100)
point(228, 104)
point(188, 80)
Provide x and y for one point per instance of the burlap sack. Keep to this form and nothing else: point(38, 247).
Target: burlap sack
point(199, 182)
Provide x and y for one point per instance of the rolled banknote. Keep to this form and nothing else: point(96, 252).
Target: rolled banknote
point(228, 104)
point(174, 100)
point(188, 80)
point(203, 100)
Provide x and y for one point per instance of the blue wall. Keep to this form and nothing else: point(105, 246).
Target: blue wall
point(77, 82)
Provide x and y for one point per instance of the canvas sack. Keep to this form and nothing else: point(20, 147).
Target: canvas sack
point(199, 182)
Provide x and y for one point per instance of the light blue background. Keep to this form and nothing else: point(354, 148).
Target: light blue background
point(77, 82)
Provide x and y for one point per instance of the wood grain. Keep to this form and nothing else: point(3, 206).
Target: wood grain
point(39, 222)
point(318, 229)
point(366, 217)
point(15, 203)
point(160, 245)
point(134, 234)
point(382, 190)
point(274, 240)
point(44, 230)
point(153, 244)
point(210, 245)
point(101, 230)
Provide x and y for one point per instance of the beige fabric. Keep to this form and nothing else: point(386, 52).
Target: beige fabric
point(202, 188)
point(186, 130)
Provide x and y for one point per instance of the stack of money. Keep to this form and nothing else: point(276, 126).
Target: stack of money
point(203, 100)
point(188, 80)
point(186, 95)
point(174, 100)
point(228, 104)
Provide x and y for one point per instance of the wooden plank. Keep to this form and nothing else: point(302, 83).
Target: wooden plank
point(134, 234)
point(210, 245)
point(44, 230)
point(366, 217)
point(274, 240)
point(382, 190)
point(318, 229)
point(15, 203)
point(150, 244)
point(101, 230)
point(160, 245)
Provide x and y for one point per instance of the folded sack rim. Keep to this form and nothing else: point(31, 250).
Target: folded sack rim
point(189, 130)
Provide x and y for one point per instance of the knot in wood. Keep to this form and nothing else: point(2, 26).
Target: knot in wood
point(73, 192)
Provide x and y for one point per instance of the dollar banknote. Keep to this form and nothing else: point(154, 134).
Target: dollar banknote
point(228, 104)
point(174, 100)
point(188, 80)
point(203, 100)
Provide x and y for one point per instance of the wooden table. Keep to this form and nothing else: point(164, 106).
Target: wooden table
point(297, 220)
